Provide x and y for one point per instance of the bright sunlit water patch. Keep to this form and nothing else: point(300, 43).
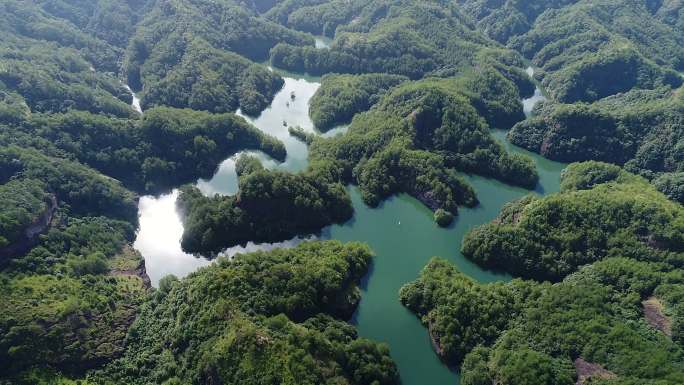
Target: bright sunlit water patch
point(159, 239)
point(529, 103)
point(136, 100)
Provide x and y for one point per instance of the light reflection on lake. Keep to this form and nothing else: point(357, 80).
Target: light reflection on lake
point(161, 229)
point(159, 236)
point(529, 103)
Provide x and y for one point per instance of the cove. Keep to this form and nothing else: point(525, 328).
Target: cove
point(401, 232)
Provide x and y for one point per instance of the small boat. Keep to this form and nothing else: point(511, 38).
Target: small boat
point(284, 123)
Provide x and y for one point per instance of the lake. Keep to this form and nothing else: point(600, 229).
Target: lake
point(401, 232)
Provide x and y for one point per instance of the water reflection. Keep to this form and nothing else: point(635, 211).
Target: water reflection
point(529, 103)
point(161, 229)
point(159, 238)
point(136, 101)
point(322, 42)
point(401, 231)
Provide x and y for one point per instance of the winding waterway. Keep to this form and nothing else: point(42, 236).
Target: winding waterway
point(401, 232)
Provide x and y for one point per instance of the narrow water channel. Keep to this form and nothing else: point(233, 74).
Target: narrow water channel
point(401, 232)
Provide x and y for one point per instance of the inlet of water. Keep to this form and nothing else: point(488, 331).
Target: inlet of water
point(401, 232)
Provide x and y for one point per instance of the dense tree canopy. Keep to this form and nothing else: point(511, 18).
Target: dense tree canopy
point(197, 54)
point(641, 129)
point(526, 333)
point(340, 97)
point(270, 206)
point(417, 137)
point(422, 83)
point(260, 317)
point(601, 212)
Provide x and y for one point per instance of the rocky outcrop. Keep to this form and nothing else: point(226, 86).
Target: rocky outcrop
point(31, 234)
point(587, 370)
point(138, 271)
point(653, 312)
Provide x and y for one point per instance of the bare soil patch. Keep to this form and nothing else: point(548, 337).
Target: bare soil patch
point(653, 311)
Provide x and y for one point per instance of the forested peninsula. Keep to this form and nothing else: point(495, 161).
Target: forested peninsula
point(103, 103)
point(601, 278)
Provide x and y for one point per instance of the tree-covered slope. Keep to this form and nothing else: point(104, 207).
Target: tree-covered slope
point(419, 134)
point(612, 244)
point(592, 327)
point(264, 317)
point(602, 211)
point(588, 50)
point(410, 38)
point(197, 54)
point(167, 147)
point(641, 129)
point(416, 139)
point(270, 206)
point(340, 97)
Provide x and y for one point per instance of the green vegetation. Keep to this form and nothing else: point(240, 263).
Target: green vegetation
point(299, 133)
point(68, 304)
point(622, 56)
point(587, 50)
point(195, 54)
point(257, 318)
point(340, 97)
point(422, 84)
point(443, 218)
point(410, 38)
point(524, 332)
point(611, 242)
point(318, 17)
point(601, 212)
point(417, 137)
point(23, 202)
point(270, 206)
point(641, 129)
point(86, 191)
point(185, 144)
point(672, 185)
point(167, 147)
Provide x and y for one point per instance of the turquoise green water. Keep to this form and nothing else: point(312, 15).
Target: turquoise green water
point(401, 232)
point(404, 237)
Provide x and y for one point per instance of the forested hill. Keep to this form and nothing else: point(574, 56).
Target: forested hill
point(623, 57)
point(421, 84)
point(613, 246)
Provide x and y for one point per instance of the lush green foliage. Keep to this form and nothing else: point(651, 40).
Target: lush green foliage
point(672, 185)
point(407, 37)
point(318, 17)
point(86, 191)
point(72, 285)
point(185, 144)
point(188, 54)
point(23, 202)
point(600, 213)
point(340, 97)
point(623, 54)
point(443, 218)
point(588, 50)
point(416, 138)
point(63, 308)
point(640, 128)
point(166, 148)
point(270, 206)
point(523, 332)
point(265, 317)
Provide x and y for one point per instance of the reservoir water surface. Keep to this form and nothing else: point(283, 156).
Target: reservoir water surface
point(401, 232)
